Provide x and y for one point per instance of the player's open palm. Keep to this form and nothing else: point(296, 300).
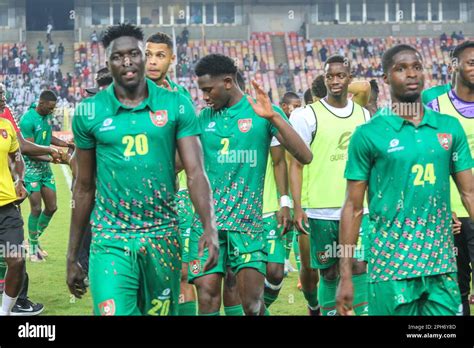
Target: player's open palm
point(75, 279)
point(210, 242)
point(263, 105)
point(345, 297)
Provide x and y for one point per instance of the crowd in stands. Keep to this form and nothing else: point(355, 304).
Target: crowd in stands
point(26, 75)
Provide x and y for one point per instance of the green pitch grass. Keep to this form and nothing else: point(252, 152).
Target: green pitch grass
point(48, 279)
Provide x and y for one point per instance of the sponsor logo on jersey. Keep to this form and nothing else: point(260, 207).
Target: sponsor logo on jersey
point(394, 142)
point(107, 122)
point(4, 133)
point(159, 117)
point(245, 125)
point(445, 140)
point(106, 125)
point(107, 308)
point(195, 266)
point(394, 146)
point(344, 139)
point(211, 127)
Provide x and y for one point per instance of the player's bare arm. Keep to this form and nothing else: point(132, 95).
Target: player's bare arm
point(360, 91)
point(287, 136)
point(83, 202)
point(190, 151)
point(465, 184)
point(300, 219)
point(351, 217)
point(18, 172)
point(280, 170)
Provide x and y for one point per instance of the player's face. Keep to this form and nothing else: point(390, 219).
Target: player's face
point(46, 107)
point(158, 60)
point(289, 107)
point(126, 61)
point(405, 76)
point(465, 68)
point(337, 78)
point(216, 90)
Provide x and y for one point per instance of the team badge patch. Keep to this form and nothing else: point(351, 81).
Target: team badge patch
point(4, 133)
point(159, 117)
point(322, 257)
point(195, 266)
point(245, 125)
point(445, 140)
point(107, 308)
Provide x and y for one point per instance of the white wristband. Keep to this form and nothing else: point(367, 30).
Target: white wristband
point(285, 201)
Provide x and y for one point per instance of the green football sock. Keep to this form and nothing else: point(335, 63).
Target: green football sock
point(214, 314)
point(269, 298)
point(311, 297)
point(296, 250)
point(43, 222)
point(33, 233)
point(234, 311)
point(361, 285)
point(188, 308)
point(267, 312)
point(327, 296)
point(3, 269)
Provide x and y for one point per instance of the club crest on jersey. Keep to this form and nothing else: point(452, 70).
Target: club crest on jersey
point(245, 124)
point(159, 117)
point(195, 266)
point(4, 133)
point(445, 140)
point(322, 257)
point(107, 308)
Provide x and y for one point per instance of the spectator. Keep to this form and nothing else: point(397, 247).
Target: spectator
point(61, 53)
point(279, 74)
point(247, 62)
point(4, 65)
point(443, 37)
point(14, 51)
point(297, 69)
point(86, 73)
point(185, 36)
point(255, 63)
point(17, 65)
point(52, 49)
point(302, 31)
point(323, 53)
point(309, 48)
point(94, 39)
point(460, 36)
point(454, 36)
point(370, 49)
point(305, 65)
point(49, 29)
point(341, 51)
point(40, 50)
point(444, 73)
point(435, 71)
point(270, 94)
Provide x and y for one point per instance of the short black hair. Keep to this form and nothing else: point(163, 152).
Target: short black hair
point(240, 80)
point(48, 95)
point(288, 96)
point(387, 58)
point(460, 48)
point(104, 78)
point(161, 38)
point(124, 29)
point(214, 65)
point(374, 87)
point(318, 87)
point(336, 58)
point(308, 97)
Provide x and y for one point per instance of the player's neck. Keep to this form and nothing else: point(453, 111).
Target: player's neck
point(337, 102)
point(131, 97)
point(235, 98)
point(463, 92)
point(410, 111)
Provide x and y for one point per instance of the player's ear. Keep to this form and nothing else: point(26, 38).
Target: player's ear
point(228, 82)
point(385, 78)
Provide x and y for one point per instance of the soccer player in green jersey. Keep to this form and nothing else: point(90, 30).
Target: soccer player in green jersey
point(236, 136)
point(405, 156)
point(35, 126)
point(126, 137)
point(159, 57)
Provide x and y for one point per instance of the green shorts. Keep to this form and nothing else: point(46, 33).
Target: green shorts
point(237, 250)
point(324, 239)
point(35, 180)
point(135, 276)
point(430, 295)
point(274, 243)
point(185, 217)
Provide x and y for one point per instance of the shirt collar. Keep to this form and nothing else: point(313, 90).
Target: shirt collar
point(236, 109)
point(397, 122)
point(116, 105)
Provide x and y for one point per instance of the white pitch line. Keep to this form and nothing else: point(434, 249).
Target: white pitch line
point(67, 174)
